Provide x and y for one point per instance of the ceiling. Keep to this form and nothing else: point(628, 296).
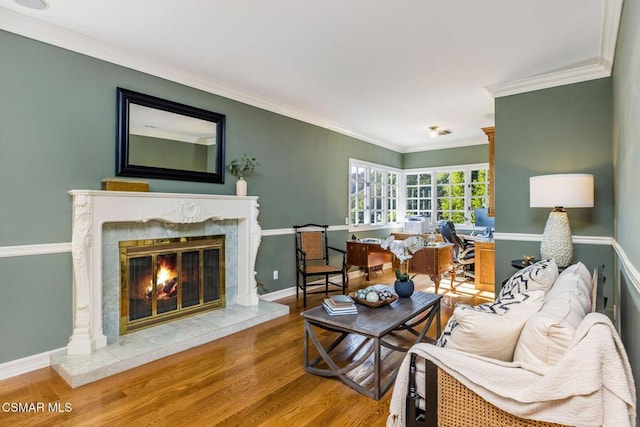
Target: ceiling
point(383, 72)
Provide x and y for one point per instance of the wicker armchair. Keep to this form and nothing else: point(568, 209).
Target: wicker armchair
point(450, 404)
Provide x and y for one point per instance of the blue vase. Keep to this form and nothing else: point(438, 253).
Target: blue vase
point(404, 289)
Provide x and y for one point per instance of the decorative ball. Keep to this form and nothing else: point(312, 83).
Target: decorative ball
point(386, 294)
point(372, 296)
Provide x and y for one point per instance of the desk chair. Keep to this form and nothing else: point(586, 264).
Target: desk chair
point(463, 251)
point(312, 259)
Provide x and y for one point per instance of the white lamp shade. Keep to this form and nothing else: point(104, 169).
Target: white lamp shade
point(563, 190)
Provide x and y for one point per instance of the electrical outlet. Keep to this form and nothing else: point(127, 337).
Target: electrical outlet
point(346, 220)
point(275, 274)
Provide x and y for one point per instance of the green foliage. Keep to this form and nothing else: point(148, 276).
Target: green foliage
point(243, 166)
point(404, 277)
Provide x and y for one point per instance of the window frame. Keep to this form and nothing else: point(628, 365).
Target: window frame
point(401, 192)
point(385, 197)
point(467, 168)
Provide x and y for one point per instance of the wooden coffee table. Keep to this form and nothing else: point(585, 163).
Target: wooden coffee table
point(388, 329)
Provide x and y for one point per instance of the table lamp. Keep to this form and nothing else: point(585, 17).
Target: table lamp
point(559, 192)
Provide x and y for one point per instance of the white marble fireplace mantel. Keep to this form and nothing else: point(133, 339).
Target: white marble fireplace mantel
point(92, 209)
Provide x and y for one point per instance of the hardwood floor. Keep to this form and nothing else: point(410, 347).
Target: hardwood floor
point(252, 378)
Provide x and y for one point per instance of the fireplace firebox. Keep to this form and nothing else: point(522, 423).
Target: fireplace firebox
point(164, 279)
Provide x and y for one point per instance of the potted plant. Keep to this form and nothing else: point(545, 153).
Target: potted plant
point(241, 168)
point(403, 250)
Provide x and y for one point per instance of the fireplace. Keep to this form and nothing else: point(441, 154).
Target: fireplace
point(93, 210)
point(103, 219)
point(165, 279)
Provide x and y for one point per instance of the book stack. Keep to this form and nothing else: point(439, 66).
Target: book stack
point(338, 305)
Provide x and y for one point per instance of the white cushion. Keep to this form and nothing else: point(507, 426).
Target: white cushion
point(547, 334)
point(540, 275)
point(491, 329)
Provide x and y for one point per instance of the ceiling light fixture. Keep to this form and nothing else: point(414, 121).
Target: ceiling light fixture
point(434, 131)
point(33, 4)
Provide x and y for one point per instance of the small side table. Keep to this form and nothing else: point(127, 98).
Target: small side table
point(522, 263)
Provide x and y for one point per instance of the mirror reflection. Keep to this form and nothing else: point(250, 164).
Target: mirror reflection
point(163, 139)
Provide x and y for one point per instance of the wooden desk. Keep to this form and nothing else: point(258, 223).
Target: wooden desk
point(432, 261)
point(366, 255)
point(402, 236)
point(485, 262)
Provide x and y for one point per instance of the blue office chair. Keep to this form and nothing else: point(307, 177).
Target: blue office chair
point(463, 251)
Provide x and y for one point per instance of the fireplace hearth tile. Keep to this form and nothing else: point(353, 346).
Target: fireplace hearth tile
point(146, 345)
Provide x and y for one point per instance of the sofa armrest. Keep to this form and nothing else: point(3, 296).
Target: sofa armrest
point(427, 416)
point(449, 403)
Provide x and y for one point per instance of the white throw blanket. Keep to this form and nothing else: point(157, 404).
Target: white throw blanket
point(591, 385)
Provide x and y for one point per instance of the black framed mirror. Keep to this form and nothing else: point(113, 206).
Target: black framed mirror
point(157, 138)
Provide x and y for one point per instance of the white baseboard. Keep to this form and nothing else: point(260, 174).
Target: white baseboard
point(28, 364)
point(282, 293)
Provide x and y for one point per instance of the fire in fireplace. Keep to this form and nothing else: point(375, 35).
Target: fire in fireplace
point(163, 279)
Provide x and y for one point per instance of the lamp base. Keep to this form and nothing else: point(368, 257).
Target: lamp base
point(556, 239)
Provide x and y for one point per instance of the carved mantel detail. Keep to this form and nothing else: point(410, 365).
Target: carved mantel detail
point(80, 243)
point(186, 212)
point(92, 209)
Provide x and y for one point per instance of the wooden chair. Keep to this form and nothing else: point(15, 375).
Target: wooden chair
point(312, 259)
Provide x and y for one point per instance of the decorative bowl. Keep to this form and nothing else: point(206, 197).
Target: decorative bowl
point(376, 304)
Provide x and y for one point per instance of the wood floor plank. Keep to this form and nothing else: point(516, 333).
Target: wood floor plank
point(251, 378)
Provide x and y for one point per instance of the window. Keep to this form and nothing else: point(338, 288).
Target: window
point(479, 190)
point(376, 196)
point(392, 197)
point(380, 195)
point(450, 192)
point(358, 194)
point(447, 193)
point(373, 194)
point(418, 195)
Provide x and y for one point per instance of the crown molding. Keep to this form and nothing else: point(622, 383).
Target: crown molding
point(36, 30)
point(601, 66)
point(549, 80)
point(611, 14)
point(31, 28)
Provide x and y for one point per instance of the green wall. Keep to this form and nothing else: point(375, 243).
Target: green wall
point(626, 149)
point(57, 130)
point(565, 129)
point(559, 130)
point(35, 308)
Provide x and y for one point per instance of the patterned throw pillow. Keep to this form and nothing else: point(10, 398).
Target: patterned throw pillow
point(540, 275)
point(491, 329)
